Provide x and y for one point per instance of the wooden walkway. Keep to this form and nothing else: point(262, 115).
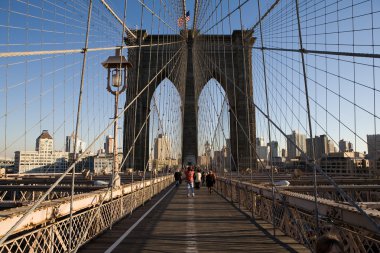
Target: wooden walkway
point(204, 223)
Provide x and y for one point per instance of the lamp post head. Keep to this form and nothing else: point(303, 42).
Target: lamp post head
point(117, 66)
point(117, 61)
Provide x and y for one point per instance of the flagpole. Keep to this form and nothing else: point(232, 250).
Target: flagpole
point(184, 16)
point(195, 17)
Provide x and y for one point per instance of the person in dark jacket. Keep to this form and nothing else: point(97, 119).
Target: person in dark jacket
point(210, 180)
point(178, 177)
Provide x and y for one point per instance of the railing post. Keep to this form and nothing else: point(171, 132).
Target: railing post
point(253, 199)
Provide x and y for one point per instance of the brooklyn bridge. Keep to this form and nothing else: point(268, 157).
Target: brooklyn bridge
point(103, 101)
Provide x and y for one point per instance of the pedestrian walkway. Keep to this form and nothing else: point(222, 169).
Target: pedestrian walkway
point(204, 223)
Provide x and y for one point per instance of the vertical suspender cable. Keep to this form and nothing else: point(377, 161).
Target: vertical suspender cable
point(308, 115)
point(137, 91)
point(267, 107)
point(233, 80)
point(77, 122)
point(246, 81)
point(148, 102)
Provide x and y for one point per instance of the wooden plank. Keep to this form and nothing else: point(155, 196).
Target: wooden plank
point(205, 223)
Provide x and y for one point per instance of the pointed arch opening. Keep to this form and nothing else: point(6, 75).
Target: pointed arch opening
point(165, 127)
point(213, 123)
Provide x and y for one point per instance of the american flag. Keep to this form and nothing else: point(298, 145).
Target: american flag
point(180, 19)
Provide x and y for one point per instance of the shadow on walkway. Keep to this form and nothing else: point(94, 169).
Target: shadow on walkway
point(204, 223)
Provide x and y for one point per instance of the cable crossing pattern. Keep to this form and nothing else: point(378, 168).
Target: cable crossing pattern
point(265, 93)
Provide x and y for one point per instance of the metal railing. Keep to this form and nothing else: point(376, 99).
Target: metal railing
point(53, 236)
point(294, 221)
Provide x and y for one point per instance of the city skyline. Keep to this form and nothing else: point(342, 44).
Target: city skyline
point(41, 92)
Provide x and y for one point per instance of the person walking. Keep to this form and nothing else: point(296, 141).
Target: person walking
point(210, 180)
point(198, 179)
point(190, 181)
point(203, 177)
point(178, 177)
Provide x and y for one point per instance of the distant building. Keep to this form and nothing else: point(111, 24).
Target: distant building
point(345, 164)
point(7, 165)
point(262, 149)
point(283, 153)
point(332, 148)
point(227, 154)
point(263, 152)
point(44, 142)
point(41, 162)
point(321, 147)
point(345, 146)
point(207, 149)
point(374, 165)
point(218, 161)
point(69, 145)
point(293, 140)
point(260, 142)
point(274, 149)
point(108, 145)
point(44, 159)
point(204, 160)
point(101, 164)
point(373, 142)
point(161, 147)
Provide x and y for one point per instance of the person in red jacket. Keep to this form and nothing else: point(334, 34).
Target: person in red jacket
point(190, 181)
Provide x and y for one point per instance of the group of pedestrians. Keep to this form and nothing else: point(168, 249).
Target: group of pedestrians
point(195, 178)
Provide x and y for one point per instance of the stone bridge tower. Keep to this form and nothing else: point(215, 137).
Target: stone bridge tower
point(194, 61)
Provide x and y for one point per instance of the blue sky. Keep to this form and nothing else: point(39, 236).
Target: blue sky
point(41, 92)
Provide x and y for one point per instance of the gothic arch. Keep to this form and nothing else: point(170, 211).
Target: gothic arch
point(196, 67)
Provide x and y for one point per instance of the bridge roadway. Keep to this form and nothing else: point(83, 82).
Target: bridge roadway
point(204, 223)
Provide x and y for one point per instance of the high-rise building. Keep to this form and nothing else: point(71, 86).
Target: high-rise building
point(207, 149)
point(69, 145)
point(331, 146)
point(262, 149)
point(321, 147)
point(44, 142)
point(262, 152)
point(283, 153)
point(204, 160)
point(274, 149)
point(295, 140)
point(373, 143)
point(260, 142)
point(108, 145)
point(345, 146)
point(161, 147)
point(350, 147)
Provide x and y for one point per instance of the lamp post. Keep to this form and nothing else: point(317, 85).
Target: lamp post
point(117, 66)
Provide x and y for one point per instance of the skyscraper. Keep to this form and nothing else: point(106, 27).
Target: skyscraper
point(321, 146)
point(373, 142)
point(108, 146)
point(44, 142)
point(345, 146)
point(295, 140)
point(260, 142)
point(274, 149)
point(161, 147)
point(331, 146)
point(69, 145)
